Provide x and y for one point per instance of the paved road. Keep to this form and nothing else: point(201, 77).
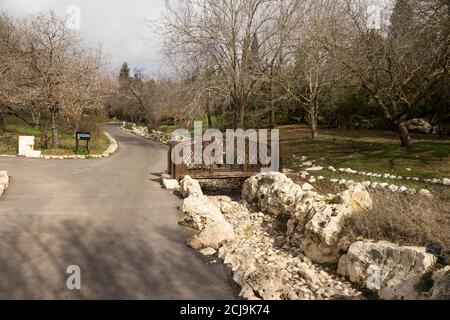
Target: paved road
point(108, 216)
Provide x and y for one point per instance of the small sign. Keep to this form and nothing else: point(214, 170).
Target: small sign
point(83, 136)
point(434, 249)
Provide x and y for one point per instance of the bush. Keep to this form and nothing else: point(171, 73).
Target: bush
point(406, 220)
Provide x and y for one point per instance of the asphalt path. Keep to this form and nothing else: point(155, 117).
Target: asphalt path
point(108, 216)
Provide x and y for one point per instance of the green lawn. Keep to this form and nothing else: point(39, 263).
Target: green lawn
point(16, 127)
point(363, 150)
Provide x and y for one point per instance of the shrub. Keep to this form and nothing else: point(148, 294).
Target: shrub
point(406, 220)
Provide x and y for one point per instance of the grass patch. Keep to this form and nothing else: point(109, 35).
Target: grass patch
point(15, 127)
point(364, 150)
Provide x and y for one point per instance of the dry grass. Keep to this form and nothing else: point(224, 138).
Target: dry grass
point(406, 220)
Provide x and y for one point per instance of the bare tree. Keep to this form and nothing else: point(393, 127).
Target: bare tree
point(232, 36)
point(399, 63)
point(310, 69)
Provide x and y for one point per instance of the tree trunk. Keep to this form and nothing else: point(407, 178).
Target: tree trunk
point(55, 142)
point(2, 123)
point(405, 138)
point(241, 115)
point(313, 119)
point(208, 118)
point(272, 118)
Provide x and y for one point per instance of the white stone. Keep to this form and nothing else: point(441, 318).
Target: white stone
point(446, 182)
point(33, 154)
point(315, 169)
point(393, 188)
point(171, 184)
point(393, 271)
point(307, 187)
point(190, 187)
point(199, 211)
point(208, 251)
point(212, 236)
point(424, 192)
point(317, 233)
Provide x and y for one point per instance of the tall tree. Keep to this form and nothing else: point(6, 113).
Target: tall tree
point(227, 34)
point(398, 67)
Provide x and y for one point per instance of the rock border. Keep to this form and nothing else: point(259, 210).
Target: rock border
point(368, 184)
point(156, 135)
point(311, 166)
point(272, 266)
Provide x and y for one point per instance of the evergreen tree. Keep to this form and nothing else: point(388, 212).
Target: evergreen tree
point(124, 72)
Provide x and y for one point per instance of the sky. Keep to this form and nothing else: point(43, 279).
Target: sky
point(118, 25)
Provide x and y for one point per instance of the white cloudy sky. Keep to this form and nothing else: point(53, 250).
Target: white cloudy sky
point(119, 25)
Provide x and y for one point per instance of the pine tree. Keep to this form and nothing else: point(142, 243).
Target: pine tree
point(124, 77)
point(124, 72)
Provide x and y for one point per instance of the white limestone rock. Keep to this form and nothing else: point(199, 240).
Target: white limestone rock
point(171, 184)
point(190, 187)
point(391, 270)
point(212, 236)
point(199, 211)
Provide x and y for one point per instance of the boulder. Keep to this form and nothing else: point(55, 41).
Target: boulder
point(342, 266)
point(314, 221)
point(419, 125)
point(190, 187)
point(393, 271)
point(446, 182)
point(266, 283)
point(441, 287)
point(258, 281)
point(256, 188)
point(171, 184)
point(4, 181)
point(317, 222)
point(199, 211)
point(212, 236)
point(357, 198)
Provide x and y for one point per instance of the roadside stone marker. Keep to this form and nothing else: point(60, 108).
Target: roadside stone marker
point(26, 145)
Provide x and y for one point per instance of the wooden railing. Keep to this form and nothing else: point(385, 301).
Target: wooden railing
point(246, 169)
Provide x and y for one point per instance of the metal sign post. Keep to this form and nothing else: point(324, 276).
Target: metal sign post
point(82, 136)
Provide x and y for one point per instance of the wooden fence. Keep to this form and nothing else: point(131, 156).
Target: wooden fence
point(246, 169)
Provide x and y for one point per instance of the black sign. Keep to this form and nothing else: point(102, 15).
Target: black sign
point(83, 136)
point(434, 249)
